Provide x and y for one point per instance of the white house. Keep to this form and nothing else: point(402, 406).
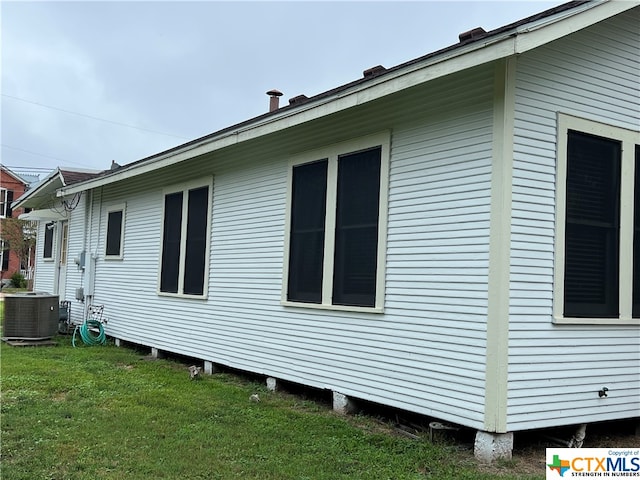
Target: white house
point(454, 236)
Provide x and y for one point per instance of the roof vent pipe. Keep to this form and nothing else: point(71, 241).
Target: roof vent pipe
point(274, 99)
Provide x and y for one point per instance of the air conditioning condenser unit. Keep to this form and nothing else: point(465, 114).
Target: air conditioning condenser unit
point(30, 316)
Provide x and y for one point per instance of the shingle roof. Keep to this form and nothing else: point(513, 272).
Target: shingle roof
point(377, 73)
point(72, 176)
point(371, 77)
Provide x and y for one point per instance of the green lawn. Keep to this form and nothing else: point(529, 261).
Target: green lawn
point(111, 413)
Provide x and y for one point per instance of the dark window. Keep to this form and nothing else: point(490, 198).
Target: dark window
point(48, 240)
point(348, 229)
point(306, 243)
point(196, 246)
point(5, 257)
point(356, 245)
point(171, 243)
point(636, 237)
point(189, 244)
point(114, 232)
point(592, 227)
point(9, 200)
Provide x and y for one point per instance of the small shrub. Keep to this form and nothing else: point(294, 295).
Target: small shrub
point(18, 280)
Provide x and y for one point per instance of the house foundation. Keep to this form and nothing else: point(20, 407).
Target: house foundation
point(210, 368)
point(272, 384)
point(489, 447)
point(343, 404)
point(157, 353)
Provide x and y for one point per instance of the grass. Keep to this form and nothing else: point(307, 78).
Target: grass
point(111, 413)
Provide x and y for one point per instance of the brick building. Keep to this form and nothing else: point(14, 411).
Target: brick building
point(12, 186)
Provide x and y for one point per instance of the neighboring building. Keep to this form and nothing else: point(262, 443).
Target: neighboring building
point(453, 236)
point(12, 186)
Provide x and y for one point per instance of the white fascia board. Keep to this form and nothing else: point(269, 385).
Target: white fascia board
point(509, 43)
point(533, 35)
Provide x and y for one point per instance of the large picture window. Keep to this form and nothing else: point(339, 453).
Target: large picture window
point(185, 241)
point(115, 232)
point(337, 226)
point(597, 217)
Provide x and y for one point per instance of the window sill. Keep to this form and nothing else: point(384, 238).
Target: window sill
point(113, 257)
point(339, 308)
point(48, 260)
point(182, 295)
point(595, 321)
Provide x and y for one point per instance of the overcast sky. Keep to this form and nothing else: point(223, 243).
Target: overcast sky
point(84, 83)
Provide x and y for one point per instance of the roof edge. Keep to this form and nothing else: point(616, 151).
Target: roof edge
point(518, 39)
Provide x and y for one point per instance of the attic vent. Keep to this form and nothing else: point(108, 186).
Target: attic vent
point(373, 71)
point(472, 34)
point(297, 100)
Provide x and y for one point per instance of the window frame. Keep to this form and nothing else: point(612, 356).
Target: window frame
point(5, 254)
point(380, 140)
point(49, 227)
point(628, 139)
point(184, 188)
point(121, 207)
point(5, 202)
point(64, 242)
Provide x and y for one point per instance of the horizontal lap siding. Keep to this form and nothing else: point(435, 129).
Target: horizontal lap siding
point(555, 371)
point(45, 269)
point(425, 353)
point(438, 248)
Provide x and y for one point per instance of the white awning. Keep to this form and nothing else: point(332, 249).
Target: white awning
point(43, 215)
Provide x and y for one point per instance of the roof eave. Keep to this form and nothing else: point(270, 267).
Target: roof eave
point(40, 190)
point(512, 42)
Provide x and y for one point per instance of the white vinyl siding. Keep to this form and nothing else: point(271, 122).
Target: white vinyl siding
point(45, 268)
point(425, 353)
point(555, 371)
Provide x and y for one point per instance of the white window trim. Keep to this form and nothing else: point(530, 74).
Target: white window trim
point(629, 139)
point(2, 249)
point(184, 188)
point(3, 199)
point(54, 227)
point(115, 208)
point(331, 152)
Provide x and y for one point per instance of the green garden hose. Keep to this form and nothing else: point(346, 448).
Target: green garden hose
point(88, 337)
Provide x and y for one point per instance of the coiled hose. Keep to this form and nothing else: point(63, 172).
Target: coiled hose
point(88, 337)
